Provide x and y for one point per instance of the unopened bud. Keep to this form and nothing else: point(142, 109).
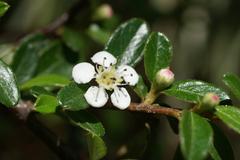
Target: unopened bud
point(164, 78)
point(210, 100)
point(103, 12)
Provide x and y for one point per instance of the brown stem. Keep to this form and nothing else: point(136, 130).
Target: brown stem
point(155, 109)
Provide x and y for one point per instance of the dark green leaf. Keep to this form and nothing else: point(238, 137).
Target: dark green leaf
point(157, 54)
point(230, 115)
point(3, 8)
point(140, 88)
point(221, 144)
point(52, 60)
point(193, 90)
point(96, 147)
point(87, 122)
point(195, 136)
point(127, 42)
point(233, 82)
point(36, 91)
point(46, 80)
point(72, 97)
point(26, 57)
point(74, 40)
point(9, 93)
point(46, 104)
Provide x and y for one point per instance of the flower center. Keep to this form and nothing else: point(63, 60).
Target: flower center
point(108, 78)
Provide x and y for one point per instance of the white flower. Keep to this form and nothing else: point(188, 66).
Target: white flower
point(109, 77)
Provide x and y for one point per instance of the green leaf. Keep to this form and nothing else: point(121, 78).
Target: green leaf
point(157, 54)
point(3, 8)
point(230, 115)
point(46, 104)
point(46, 80)
point(233, 82)
point(96, 147)
point(195, 136)
point(193, 90)
point(9, 94)
point(75, 41)
point(52, 60)
point(71, 97)
point(36, 91)
point(127, 41)
point(87, 122)
point(140, 88)
point(25, 60)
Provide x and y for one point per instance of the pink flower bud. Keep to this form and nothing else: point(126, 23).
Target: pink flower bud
point(210, 99)
point(164, 77)
point(103, 12)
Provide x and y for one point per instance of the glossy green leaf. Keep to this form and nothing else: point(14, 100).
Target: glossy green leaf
point(9, 93)
point(75, 41)
point(195, 136)
point(230, 115)
point(233, 82)
point(221, 144)
point(26, 57)
point(46, 104)
point(127, 41)
point(46, 80)
point(52, 60)
point(140, 88)
point(36, 91)
point(193, 90)
point(96, 147)
point(87, 122)
point(3, 8)
point(157, 54)
point(71, 97)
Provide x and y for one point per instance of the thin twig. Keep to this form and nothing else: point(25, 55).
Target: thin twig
point(154, 109)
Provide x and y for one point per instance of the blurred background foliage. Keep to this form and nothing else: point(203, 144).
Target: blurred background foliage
point(206, 40)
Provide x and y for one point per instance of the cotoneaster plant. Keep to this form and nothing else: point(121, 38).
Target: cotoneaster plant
point(44, 90)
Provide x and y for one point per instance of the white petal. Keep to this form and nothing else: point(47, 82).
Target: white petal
point(129, 74)
point(96, 96)
point(83, 72)
point(120, 98)
point(104, 58)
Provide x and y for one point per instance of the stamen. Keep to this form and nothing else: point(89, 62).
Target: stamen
point(97, 94)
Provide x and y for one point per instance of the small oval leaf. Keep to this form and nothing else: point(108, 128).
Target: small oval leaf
point(127, 41)
point(87, 122)
point(233, 82)
point(46, 104)
point(96, 147)
point(9, 94)
point(46, 80)
point(195, 136)
point(3, 8)
point(72, 98)
point(157, 54)
point(230, 115)
point(193, 90)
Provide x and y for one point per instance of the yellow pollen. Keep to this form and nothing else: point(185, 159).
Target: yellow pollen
point(108, 78)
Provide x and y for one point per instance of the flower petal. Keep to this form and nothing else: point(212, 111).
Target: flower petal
point(129, 74)
point(96, 96)
point(104, 58)
point(120, 98)
point(83, 72)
